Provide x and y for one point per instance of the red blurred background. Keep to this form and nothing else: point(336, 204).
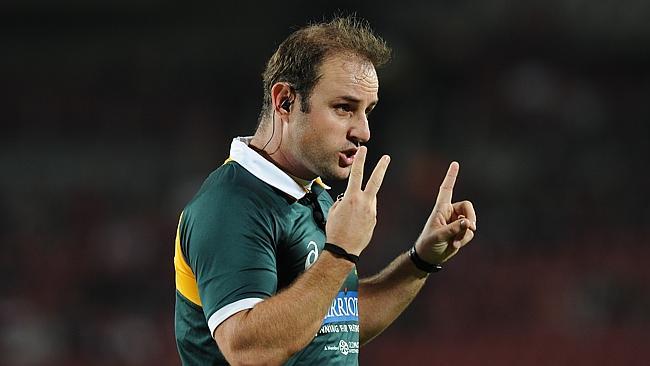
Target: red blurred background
point(114, 112)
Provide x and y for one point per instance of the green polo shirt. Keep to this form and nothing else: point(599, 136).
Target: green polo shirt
point(249, 232)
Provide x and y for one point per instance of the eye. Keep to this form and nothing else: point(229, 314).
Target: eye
point(343, 107)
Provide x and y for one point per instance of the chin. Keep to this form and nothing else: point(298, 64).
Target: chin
point(338, 173)
point(343, 173)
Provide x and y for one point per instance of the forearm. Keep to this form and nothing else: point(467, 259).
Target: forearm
point(384, 296)
point(285, 323)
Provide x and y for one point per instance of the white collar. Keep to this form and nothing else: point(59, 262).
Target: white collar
point(266, 171)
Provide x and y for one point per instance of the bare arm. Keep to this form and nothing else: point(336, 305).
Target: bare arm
point(285, 323)
point(383, 297)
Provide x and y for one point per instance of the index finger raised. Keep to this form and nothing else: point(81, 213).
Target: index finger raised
point(447, 186)
point(377, 176)
point(356, 172)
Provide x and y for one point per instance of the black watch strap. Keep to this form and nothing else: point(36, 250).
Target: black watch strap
point(421, 264)
point(340, 252)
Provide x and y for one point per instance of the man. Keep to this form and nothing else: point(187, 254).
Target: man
point(264, 259)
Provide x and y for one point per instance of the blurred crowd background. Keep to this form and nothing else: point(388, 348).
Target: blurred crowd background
point(114, 112)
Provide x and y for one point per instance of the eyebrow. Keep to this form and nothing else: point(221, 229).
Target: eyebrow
point(352, 99)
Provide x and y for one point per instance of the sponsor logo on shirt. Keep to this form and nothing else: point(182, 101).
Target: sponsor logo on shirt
point(312, 255)
point(344, 308)
point(345, 347)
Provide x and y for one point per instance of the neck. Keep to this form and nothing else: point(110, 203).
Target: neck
point(268, 136)
point(302, 181)
point(270, 147)
point(264, 153)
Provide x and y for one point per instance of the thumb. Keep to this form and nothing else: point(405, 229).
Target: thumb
point(453, 230)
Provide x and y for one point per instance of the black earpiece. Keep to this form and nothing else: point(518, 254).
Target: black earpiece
point(286, 104)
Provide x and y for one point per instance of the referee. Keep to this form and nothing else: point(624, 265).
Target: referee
point(264, 258)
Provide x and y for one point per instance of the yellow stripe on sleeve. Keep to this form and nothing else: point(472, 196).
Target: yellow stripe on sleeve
point(185, 280)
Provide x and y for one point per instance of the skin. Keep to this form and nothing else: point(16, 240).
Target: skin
point(307, 145)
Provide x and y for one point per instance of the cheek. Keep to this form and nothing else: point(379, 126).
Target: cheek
point(324, 132)
point(326, 126)
point(334, 126)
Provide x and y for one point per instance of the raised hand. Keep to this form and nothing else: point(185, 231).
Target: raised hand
point(352, 219)
point(450, 225)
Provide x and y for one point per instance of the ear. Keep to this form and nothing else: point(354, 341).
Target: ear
point(281, 93)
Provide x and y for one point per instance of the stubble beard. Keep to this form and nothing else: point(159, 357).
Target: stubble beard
point(324, 164)
point(316, 157)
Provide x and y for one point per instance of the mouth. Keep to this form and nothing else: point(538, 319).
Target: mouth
point(346, 157)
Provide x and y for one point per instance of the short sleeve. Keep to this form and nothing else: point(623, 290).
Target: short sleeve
point(228, 240)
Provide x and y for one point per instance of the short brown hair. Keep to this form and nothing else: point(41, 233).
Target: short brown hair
point(299, 57)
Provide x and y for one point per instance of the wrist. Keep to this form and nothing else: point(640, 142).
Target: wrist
point(422, 264)
point(339, 252)
point(426, 253)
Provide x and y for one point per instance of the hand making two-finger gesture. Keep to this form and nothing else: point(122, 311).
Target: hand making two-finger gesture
point(450, 225)
point(352, 220)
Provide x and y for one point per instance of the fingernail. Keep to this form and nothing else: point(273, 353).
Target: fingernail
point(462, 223)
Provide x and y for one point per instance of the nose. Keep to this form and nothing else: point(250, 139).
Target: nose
point(360, 130)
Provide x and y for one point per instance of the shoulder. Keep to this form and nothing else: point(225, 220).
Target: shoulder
point(232, 206)
point(232, 183)
point(231, 194)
